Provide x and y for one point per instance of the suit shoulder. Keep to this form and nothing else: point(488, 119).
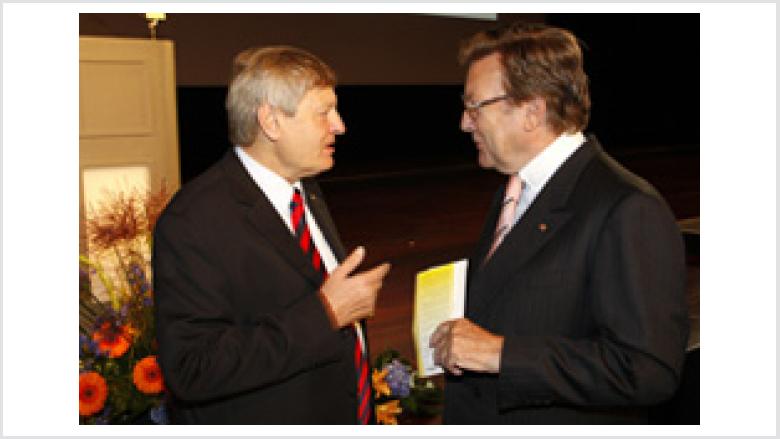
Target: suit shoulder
point(199, 199)
point(607, 177)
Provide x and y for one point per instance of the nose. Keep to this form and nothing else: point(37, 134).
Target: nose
point(337, 125)
point(466, 122)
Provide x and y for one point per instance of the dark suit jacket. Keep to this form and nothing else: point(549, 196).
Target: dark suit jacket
point(592, 307)
point(243, 337)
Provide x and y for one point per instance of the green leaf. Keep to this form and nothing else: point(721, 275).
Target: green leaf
point(409, 405)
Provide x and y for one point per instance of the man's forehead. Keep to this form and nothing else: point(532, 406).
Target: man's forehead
point(484, 76)
point(320, 96)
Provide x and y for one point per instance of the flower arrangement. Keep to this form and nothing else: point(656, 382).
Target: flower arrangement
point(120, 381)
point(399, 394)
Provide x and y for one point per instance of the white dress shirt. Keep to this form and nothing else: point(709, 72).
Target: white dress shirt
point(538, 171)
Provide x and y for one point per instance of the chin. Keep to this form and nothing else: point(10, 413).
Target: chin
point(327, 164)
point(485, 162)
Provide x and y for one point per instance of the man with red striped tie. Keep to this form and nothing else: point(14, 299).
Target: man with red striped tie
point(259, 311)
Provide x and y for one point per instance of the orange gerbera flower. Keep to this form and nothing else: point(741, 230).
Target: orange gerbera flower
point(379, 382)
point(147, 376)
point(92, 393)
point(387, 413)
point(115, 340)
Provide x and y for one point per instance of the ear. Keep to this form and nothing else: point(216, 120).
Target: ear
point(268, 122)
point(536, 114)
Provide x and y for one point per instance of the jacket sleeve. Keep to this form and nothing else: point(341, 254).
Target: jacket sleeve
point(636, 288)
point(205, 353)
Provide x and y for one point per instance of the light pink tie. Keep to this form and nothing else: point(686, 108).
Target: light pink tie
point(505, 221)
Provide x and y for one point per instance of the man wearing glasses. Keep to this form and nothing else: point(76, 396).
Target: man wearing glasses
point(575, 307)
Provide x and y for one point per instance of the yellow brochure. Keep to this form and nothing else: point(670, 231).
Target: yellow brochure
point(439, 295)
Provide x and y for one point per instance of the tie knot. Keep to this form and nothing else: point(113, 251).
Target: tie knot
point(513, 188)
point(297, 200)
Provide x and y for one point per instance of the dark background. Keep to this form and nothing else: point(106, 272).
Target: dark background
point(643, 70)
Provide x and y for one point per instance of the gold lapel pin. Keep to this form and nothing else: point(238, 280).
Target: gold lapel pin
point(542, 227)
point(312, 197)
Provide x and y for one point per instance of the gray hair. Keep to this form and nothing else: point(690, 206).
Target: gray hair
point(279, 76)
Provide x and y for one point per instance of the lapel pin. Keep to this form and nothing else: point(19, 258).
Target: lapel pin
point(542, 227)
point(312, 197)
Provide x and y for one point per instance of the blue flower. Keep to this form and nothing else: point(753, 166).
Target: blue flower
point(159, 415)
point(104, 417)
point(87, 346)
point(82, 345)
point(136, 269)
point(398, 378)
point(136, 277)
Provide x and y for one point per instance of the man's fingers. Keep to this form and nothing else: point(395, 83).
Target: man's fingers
point(434, 340)
point(377, 273)
point(438, 334)
point(349, 264)
point(438, 356)
point(445, 358)
point(372, 278)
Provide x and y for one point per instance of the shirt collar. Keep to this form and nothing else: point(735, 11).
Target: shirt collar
point(278, 190)
point(535, 174)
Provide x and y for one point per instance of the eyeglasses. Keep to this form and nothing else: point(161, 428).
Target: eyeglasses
point(473, 109)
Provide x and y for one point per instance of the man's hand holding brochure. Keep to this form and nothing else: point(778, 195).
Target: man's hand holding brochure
point(440, 295)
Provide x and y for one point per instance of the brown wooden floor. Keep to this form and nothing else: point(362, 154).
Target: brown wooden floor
point(418, 219)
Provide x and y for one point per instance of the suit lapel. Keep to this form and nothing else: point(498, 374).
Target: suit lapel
point(486, 237)
point(319, 210)
point(548, 214)
point(262, 216)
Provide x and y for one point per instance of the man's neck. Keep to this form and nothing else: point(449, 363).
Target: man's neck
point(538, 143)
point(262, 153)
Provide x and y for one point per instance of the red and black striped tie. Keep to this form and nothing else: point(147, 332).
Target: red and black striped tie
point(303, 236)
